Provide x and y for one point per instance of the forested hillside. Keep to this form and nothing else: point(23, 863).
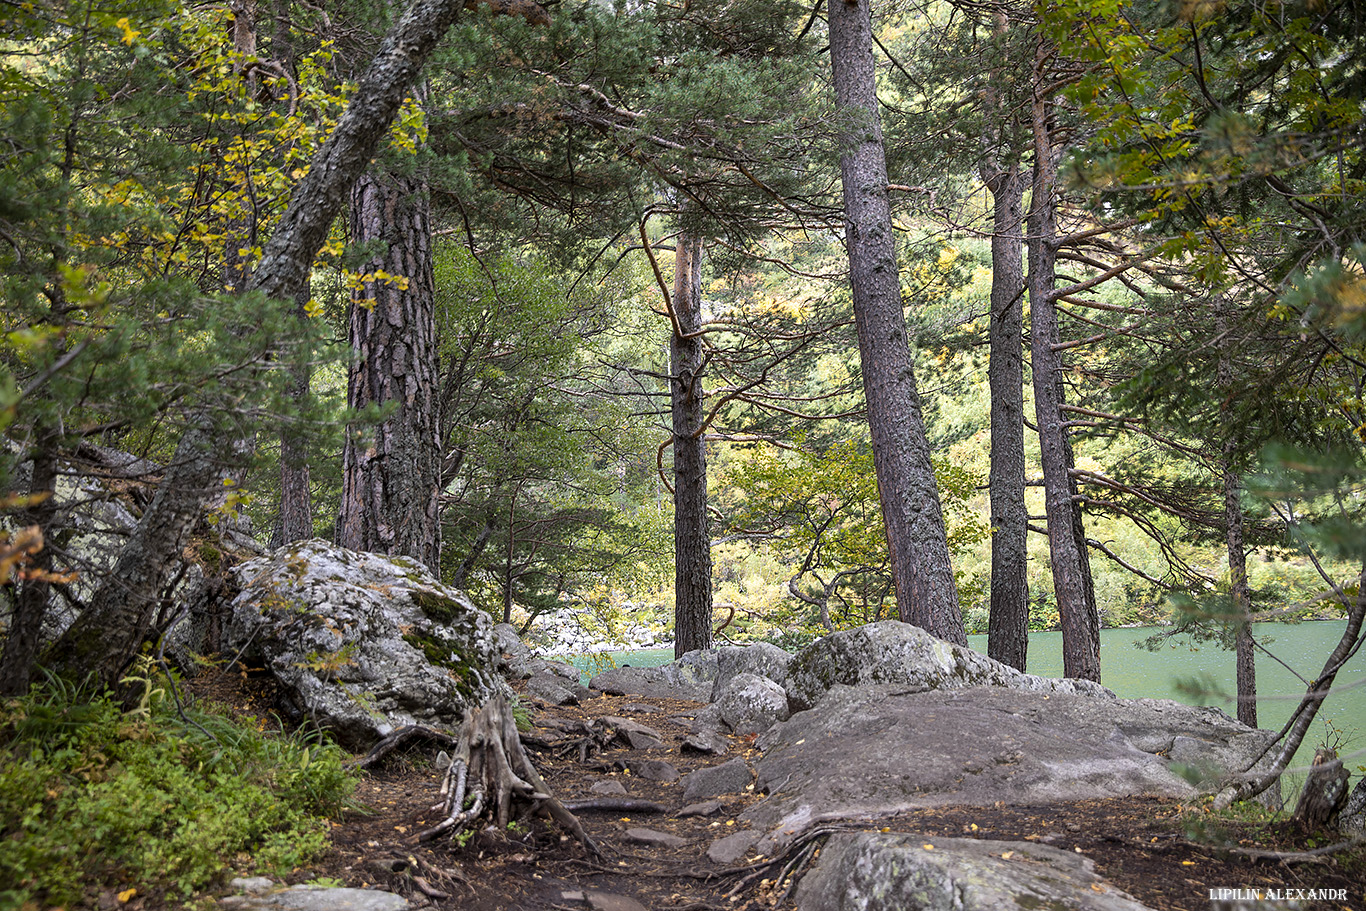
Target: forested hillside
point(738, 319)
point(986, 316)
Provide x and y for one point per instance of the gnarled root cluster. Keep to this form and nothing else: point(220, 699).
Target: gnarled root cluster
point(490, 780)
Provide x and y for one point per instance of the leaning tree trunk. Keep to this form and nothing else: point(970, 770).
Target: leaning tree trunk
point(1251, 784)
point(1008, 622)
point(922, 572)
point(391, 471)
point(107, 635)
point(1067, 545)
point(692, 542)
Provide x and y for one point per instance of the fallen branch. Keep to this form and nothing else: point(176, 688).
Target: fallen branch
point(616, 805)
point(1312, 855)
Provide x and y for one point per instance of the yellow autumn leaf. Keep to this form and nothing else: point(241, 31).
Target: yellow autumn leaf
point(126, 894)
point(130, 34)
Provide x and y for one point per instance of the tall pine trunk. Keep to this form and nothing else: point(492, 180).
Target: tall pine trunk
point(926, 593)
point(1240, 594)
point(391, 471)
point(296, 495)
point(1068, 554)
point(692, 541)
point(1008, 621)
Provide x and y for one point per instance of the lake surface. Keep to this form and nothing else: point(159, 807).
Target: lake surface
point(1136, 673)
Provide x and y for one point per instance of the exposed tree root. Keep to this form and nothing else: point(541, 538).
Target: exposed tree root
point(491, 778)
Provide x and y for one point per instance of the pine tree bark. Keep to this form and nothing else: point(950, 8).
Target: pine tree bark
point(1008, 621)
point(1069, 558)
point(692, 540)
point(391, 472)
point(1240, 593)
point(926, 593)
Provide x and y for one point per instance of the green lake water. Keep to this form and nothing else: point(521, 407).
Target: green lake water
point(1136, 673)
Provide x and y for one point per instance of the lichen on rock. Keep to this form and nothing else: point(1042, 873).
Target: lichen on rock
point(363, 643)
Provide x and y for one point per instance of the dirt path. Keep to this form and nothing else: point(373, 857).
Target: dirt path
point(1139, 845)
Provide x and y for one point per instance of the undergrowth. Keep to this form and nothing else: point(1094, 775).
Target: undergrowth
point(96, 797)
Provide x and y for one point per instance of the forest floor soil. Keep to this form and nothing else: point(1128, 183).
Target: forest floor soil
point(1165, 853)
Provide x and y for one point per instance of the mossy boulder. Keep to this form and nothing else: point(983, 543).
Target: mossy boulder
point(363, 643)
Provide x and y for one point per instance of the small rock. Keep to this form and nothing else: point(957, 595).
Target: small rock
point(551, 689)
point(705, 808)
point(652, 769)
point(637, 735)
point(731, 848)
point(252, 885)
point(710, 742)
point(726, 778)
point(656, 838)
point(641, 708)
point(610, 901)
point(614, 788)
point(750, 704)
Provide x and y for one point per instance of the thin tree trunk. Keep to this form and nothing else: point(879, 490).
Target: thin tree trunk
point(1066, 536)
point(296, 494)
point(692, 540)
point(926, 593)
point(31, 599)
point(1008, 622)
point(391, 471)
point(1240, 594)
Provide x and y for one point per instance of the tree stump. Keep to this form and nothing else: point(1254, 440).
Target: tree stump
point(1325, 792)
point(491, 779)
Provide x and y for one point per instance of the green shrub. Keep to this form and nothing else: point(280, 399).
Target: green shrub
point(93, 796)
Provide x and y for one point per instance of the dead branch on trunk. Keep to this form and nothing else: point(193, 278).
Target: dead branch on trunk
point(491, 778)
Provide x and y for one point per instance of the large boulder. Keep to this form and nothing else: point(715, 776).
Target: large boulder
point(699, 675)
point(363, 643)
point(690, 677)
point(898, 653)
point(873, 871)
point(976, 746)
point(762, 659)
point(750, 704)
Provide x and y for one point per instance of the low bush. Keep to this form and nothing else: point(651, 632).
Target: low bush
point(93, 796)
